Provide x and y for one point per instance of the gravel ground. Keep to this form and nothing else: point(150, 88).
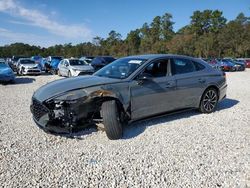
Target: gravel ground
point(182, 150)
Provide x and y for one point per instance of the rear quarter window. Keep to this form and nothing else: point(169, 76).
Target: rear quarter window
point(198, 66)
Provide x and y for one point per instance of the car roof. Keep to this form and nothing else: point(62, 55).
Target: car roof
point(71, 59)
point(154, 56)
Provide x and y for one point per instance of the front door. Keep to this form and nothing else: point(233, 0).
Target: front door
point(155, 94)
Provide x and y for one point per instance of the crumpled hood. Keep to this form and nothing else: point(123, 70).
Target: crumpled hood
point(83, 67)
point(58, 87)
point(30, 66)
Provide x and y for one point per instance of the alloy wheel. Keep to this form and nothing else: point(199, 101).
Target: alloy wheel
point(210, 100)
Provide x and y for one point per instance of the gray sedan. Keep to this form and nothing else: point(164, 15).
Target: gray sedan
point(129, 89)
point(74, 67)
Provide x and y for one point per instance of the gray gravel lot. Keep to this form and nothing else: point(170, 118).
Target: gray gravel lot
point(182, 150)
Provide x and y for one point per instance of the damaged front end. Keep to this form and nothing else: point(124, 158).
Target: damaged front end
point(63, 113)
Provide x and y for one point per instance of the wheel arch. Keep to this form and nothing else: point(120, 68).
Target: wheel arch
point(214, 87)
point(98, 101)
point(208, 87)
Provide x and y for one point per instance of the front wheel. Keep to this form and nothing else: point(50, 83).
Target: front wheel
point(209, 101)
point(111, 120)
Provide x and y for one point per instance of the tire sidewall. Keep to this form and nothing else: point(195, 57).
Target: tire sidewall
point(201, 108)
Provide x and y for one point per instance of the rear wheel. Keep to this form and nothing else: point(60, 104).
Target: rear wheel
point(209, 101)
point(111, 120)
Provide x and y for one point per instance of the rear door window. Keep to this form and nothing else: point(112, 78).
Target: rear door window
point(182, 66)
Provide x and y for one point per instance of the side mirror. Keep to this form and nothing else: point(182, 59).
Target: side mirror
point(144, 77)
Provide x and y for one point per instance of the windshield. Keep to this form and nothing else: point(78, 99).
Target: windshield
point(121, 68)
point(76, 62)
point(27, 61)
point(88, 60)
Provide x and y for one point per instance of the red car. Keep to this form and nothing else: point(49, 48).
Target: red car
point(247, 62)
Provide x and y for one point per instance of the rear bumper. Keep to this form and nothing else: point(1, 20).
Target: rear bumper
point(223, 92)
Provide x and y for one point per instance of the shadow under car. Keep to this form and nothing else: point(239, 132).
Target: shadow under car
point(138, 127)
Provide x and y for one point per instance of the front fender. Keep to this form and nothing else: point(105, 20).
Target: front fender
point(119, 92)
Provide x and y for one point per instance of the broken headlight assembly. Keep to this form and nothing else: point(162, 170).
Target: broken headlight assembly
point(64, 109)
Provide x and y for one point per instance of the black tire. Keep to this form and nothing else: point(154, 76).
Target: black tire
point(111, 120)
point(58, 72)
point(21, 72)
point(54, 72)
point(209, 101)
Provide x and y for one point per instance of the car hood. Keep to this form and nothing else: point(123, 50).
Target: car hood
point(58, 87)
point(82, 67)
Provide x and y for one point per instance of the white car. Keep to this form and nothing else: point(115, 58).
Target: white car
point(27, 66)
point(74, 67)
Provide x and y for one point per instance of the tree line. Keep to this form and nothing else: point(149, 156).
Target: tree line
point(208, 35)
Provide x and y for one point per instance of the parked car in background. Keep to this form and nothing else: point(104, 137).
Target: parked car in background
point(227, 65)
point(51, 64)
point(43, 63)
point(101, 61)
point(239, 65)
point(248, 63)
point(14, 60)
point(27, 66)
point(38, 59)
point(74, 67)
point(88, 59)
point(6, 73)
point(216, 64)
point(129, 89)
point(53, 69)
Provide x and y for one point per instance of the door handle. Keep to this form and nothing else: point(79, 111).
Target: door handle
point(201, 80)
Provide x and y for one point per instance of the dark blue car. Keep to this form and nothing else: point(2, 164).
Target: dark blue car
point(101, 61)
point(52, 64)
point(6, 73)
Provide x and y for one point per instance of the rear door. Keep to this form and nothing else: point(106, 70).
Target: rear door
point(155, 95)
point(190, 81)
